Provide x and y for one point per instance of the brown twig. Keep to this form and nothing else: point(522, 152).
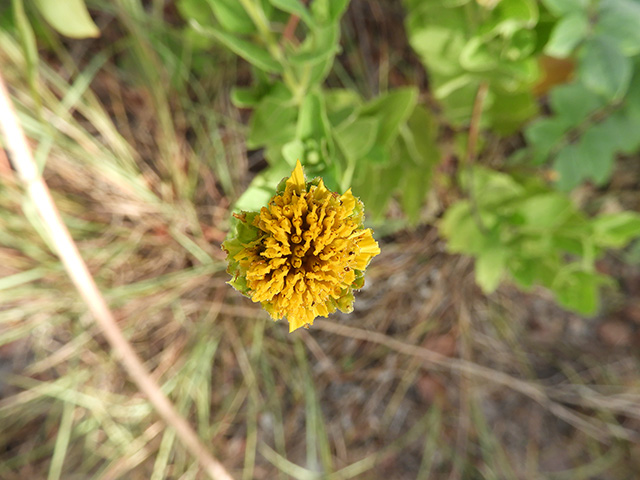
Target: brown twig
point(474, 125)
point(532, 390)
point(472, 142)
point(289, 32)
point(67, 250)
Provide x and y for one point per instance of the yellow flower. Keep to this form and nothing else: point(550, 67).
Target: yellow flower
point(304, 253)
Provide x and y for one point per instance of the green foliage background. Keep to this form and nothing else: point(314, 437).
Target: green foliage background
point(514, 223)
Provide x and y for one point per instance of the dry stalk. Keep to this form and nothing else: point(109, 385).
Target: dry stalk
point(75, 266)
point(603, 432)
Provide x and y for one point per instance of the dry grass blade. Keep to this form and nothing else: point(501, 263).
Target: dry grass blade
point(82, 279)
point(461, 366)
point(599, 430)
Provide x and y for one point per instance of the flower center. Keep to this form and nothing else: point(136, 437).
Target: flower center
point(307, 251)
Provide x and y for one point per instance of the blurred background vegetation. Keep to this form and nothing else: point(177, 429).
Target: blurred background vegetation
point(495, 146)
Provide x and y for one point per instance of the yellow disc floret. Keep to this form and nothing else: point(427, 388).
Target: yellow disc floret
point(309, 253)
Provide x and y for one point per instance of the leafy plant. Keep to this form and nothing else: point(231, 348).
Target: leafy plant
point(523, 230)
point(71, 21)
point(597, 115)
point(464, 44)
point(381, 147)
point(386, 146)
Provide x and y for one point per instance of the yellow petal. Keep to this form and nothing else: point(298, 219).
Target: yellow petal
point(368, 244)
point(321, 191)
point(348, 201)
point(296, 180)
point(368, 249)
point(295, 323)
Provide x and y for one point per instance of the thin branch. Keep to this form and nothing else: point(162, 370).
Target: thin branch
point(533, 391)
point(602, 432)
point(67, 250)
point(472, 142)
point(474, 125)
point(289, 32)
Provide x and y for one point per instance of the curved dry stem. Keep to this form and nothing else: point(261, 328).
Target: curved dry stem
point(37, 189)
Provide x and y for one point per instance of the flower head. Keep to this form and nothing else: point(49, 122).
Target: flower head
point(303, 254)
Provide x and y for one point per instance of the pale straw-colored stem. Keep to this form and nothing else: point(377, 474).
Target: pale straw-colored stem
point(37, 190)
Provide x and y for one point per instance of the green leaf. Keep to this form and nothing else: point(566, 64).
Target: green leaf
point(319, 70)
point(571, 240)
point(251, 52)
point(514, 15)
point(597, 153)
point(523, 271)
point(542, 135)
point(378, 155)
point(375, 185)
point(578, 290)
point(438, 35)
point(273, 123)
point(520, 46)
point(621, 129)
point(420, 137)
point(457, 101)
point(460, 229)
point(71, 19)
point(312, 118)
point(462, 88)
point(632, 101)
point(293, 150)
point(546, 211)
point(524, 11)
point(619, 21)
point(604, 69)
point(313, 59)
point(489, 268)
point(508, 111)
point(534, 244)
point(317, 47)
point(195, 9)
point(295, 7)
point(358, 137)
point(417, 150)
point(568, 166)
point(514, 77)
point(574, 102)
point(616, 230)
point(391, 110)
point(413, 191)
point(231, 16)
point(477, 57)
point(567, 34)
point(342, 104)
point(245, 97)
point(491, 189)
point(439, 49)
point(328, 11)
point(565, 7)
